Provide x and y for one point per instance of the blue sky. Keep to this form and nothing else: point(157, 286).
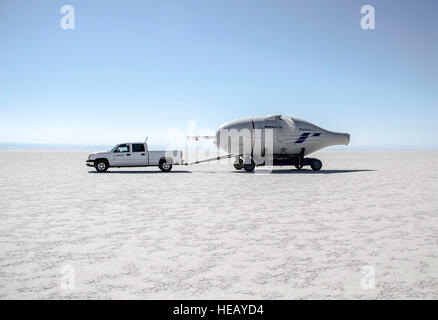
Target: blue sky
point(132, 69)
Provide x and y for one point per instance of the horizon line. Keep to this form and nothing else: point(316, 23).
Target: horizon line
point(77, 146)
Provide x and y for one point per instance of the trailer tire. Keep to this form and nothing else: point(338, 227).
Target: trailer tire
point(238, 165)
point(316, 165)
point(249, 167)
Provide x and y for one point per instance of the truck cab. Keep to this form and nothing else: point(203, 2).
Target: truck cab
point(134, 154)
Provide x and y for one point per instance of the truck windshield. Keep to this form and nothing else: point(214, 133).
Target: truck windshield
point(121, 148)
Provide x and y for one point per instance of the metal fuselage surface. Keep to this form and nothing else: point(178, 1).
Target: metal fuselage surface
point(285, 136)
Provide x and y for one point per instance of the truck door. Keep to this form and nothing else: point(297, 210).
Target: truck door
point(139, 156)
point(121, 156)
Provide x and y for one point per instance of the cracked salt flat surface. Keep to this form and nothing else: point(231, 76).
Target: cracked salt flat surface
point(207, 231)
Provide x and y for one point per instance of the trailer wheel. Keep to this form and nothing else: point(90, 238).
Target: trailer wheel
point(238, 165)
point(249, 167)
point(165, 166)
point(316, 165)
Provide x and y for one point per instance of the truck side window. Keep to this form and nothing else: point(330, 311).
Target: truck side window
point(138, 147)
point(122, 148)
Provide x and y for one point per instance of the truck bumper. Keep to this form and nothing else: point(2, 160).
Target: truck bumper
point(89, 163)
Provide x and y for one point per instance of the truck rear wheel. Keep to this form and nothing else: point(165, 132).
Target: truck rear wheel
point(101, 166)
point(165, 166)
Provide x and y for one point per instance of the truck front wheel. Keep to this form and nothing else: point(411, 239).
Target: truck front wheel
point(165, 166)
point(101, 166)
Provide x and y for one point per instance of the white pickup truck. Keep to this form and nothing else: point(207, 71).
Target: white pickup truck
point(134, 155)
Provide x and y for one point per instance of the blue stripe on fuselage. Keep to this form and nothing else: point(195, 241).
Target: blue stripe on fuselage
point(304, 136)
